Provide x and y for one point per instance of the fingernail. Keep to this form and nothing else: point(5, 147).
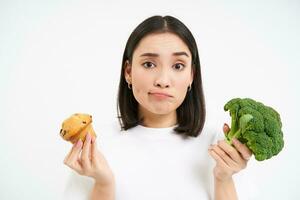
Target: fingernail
point(234, 140)
point(79, 143)
point(88, 137)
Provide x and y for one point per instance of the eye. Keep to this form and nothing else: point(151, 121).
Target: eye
point(179, 66)
point(84, 122)
point(148, 64)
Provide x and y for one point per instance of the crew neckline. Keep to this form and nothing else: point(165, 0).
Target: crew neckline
point(155, 133)
point(156, 128)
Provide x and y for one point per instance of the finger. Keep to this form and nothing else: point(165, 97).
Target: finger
point(231, 151)
point(242, 148)
point(85, 160)
point(94, 149)
point(76, 147)
point(226, 128)
point(97, 156)
point(72, 159)
point(217, 158)
point(68, 155)
point(91, 150)
point(225, 157)
point(94, 153)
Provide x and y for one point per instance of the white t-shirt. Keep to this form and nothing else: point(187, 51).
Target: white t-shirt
point(155, 163)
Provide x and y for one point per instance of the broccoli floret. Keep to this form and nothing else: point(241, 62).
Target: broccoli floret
point(256, 125)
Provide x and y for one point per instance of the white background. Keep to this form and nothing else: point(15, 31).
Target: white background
point(61, 57)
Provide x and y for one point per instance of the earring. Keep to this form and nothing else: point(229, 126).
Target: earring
point(189, 88)
point(129, 86)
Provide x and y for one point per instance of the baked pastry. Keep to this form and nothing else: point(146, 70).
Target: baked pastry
point(76, 127)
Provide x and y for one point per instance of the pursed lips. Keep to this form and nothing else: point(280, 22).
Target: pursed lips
point(160, 94)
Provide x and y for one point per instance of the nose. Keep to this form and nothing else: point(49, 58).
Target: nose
point(162, 80)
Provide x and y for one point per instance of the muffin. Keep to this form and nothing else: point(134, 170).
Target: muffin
point(76, 127)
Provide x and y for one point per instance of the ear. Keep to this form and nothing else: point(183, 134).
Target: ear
point(127, 71)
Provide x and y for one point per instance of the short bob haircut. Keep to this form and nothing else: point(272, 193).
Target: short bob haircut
point(191, 113)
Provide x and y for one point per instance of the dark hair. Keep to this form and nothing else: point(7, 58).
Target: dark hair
point(191, 113)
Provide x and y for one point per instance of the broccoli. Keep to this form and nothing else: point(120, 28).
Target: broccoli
point(256, 125)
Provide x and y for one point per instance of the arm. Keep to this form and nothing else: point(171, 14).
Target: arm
point(101, 192)
point(229, 160)
point(225, 189)
point(92, 163)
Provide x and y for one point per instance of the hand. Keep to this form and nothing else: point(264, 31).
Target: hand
point(229, 160)
point(90, 162)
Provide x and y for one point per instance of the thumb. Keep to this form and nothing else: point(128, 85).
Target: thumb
point(226, 128)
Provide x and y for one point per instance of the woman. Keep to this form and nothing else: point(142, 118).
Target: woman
point(161, 108)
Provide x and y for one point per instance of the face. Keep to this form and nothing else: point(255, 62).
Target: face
point(160, 73)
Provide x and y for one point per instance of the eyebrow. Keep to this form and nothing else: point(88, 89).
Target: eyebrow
point(181, 53)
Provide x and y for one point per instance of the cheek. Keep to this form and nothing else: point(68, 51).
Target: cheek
point(181, 86)
point(141, 83)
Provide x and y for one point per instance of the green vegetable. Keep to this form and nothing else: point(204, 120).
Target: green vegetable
point(256, 125)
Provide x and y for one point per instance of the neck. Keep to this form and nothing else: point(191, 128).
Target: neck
point(158, 120)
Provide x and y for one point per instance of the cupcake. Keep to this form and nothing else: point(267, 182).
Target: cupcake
point(76, 127)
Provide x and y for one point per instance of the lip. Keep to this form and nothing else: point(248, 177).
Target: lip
point(160, 94)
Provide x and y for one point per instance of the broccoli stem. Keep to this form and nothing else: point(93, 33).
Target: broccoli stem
point(233, 127)
point(234, 135)
point(238, 126)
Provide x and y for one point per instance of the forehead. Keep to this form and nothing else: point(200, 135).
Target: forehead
point(161, 43)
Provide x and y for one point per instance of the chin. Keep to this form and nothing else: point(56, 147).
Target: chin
point(163, 110)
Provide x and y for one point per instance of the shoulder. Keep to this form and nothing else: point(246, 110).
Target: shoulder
point(211, 134)
point(107, 128)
